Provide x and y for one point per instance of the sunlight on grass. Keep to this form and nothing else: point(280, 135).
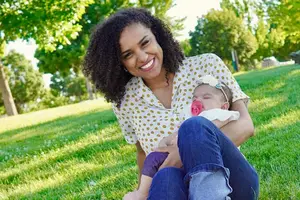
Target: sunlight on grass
point(265, 103)
point(71, 170)
point(295, 73)
point(284, 120)
point(29, 119)
point(36, 161)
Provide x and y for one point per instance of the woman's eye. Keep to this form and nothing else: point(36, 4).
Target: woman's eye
point(206, 97)
point(145, 42)
point(127, 55)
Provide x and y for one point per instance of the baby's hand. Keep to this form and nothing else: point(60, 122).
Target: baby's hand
point(135, 195)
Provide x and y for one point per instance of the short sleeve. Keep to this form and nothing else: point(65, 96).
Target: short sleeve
point(220, 71)
point(125, 124)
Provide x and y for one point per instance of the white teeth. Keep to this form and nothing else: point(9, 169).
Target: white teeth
point(148, 64)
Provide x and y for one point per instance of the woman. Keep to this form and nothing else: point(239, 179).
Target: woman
point(133, 59)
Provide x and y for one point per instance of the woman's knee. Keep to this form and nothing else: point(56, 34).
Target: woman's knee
point(195, 122)
point(196, 125)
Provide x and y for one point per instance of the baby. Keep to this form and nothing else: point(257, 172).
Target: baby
point(211, 99)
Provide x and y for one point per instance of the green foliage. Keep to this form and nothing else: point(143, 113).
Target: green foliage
point(285, 16)
point(72, 85)
point(70, 56)
point(186, 47)
point(243, 9)
point(278, 27)
point(76, 87)
point(159, 8)
point(50, 101)
point(220, 32)
point(269, 39)
point(2, 48)
point(26, 83)
point(48, 22)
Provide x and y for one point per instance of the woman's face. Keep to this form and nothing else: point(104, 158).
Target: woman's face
point(140, 53)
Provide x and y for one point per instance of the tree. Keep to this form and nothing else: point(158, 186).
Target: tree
point(269, 40)
point(159, 8)
point(220, 32)
point(244, 9)
point(72, 85)
point(8, 100)
point(186, 47)
point(48, 22)
point(284, 15)
point(26, 83)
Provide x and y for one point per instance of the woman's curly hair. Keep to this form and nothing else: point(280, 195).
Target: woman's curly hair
point(102, 62)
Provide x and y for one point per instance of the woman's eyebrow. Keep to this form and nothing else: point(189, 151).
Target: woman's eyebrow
point(142, 39)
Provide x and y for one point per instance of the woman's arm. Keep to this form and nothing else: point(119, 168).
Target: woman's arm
point(140, 157)
point(240, 130)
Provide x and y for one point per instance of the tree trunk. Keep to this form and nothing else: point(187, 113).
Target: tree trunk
point(6, 94)
point(95, 91)
point(235, 62)
point(89, 89)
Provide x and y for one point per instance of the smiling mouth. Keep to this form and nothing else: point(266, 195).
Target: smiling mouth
point(148, 66)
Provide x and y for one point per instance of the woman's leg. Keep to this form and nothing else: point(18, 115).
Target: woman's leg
point(167, 184)
point(206, 154)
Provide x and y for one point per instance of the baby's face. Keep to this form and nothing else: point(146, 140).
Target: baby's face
point(209, 96)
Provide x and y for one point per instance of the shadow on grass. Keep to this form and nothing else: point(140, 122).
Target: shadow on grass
point(48, 165)
point(79, 187)
point(56, 133)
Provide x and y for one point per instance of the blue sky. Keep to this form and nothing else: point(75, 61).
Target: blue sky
point(183, 8)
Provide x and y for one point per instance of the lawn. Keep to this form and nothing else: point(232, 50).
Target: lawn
point(78, 152)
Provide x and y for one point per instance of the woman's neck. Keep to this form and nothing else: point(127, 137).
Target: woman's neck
point(163, 80)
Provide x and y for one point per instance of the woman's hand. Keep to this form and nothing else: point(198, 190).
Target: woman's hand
point(135, 195)
point(173, 159)
point(169, 140)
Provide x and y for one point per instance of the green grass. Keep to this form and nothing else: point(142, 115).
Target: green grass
point(78, 152)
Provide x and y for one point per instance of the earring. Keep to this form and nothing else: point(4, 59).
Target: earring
point(125, 69)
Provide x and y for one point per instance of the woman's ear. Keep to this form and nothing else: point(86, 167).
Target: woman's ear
point(225, 106)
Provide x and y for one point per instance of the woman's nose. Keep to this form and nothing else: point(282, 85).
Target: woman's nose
point(142, 56)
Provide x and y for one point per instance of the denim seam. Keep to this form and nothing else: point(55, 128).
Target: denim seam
point(209, 167)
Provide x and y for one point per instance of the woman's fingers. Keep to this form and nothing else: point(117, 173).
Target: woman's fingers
point(173, 159)
point(163, 149)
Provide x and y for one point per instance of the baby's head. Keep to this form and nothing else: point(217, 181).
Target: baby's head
point(212, 94)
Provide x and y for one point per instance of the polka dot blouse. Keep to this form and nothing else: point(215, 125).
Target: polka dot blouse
point(143, 118)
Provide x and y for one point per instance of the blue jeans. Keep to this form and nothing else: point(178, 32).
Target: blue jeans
point(207, 156)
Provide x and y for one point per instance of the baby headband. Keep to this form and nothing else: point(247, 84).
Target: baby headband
point(213, 82)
